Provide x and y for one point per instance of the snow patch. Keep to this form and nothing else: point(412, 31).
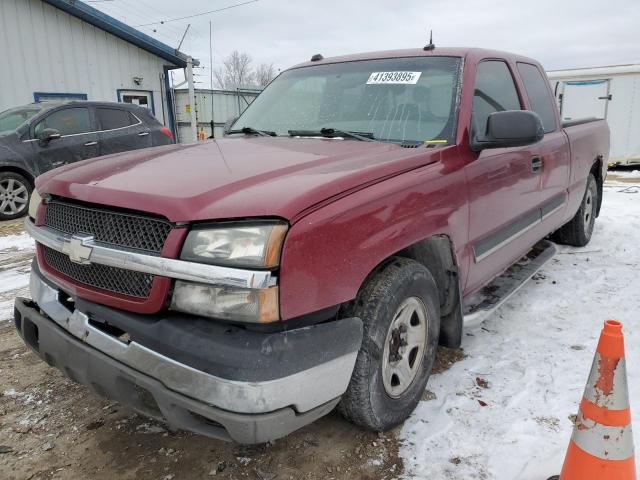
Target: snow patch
point(536, 353)
point(19, 242)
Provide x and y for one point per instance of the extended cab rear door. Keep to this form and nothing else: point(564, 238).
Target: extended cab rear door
point(553, 150)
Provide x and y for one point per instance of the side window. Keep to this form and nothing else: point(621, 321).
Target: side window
point(494, 91)
point(111, 118)
point(68, 121)
point(538, 93)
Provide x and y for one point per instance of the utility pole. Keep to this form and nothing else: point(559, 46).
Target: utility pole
point(213, 131)
point(192, 100)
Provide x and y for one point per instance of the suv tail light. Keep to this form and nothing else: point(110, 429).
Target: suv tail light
point(166, 132)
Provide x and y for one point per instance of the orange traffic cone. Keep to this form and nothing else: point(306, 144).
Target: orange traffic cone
point(601, 447)
point(201, 134)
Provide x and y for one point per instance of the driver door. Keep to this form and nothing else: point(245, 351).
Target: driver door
point(78, 140)
point(503, 185)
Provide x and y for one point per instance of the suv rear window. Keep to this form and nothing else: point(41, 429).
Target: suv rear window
point(538, 93)
point(112, 118)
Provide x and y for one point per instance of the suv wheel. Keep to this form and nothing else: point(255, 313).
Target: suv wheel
point(400, 311)
point(15, 191)
point(578, 230)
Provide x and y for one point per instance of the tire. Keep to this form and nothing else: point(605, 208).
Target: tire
point(15, 193)
point(400, 286)
point(578, 230)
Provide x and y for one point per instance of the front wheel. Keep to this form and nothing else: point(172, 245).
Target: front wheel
point(579, 229)
point(15, 191)
point(400, 312)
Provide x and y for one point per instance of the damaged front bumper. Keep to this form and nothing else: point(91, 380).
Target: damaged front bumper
point(196, 374)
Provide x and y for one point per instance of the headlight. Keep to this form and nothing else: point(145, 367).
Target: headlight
point(226, 303)
point(255, 245)
point(34, 203)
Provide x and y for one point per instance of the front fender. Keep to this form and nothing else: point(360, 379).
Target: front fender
point(328, 254)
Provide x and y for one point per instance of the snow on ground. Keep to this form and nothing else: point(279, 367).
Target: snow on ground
point(626, 173)
point(536, 353)
point(17, 242)
point(16, 252)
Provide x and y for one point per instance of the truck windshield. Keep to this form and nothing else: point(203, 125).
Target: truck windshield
point(11, 119)
point(396, 100)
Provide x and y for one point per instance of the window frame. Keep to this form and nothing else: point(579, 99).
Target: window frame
point(456, 94)
point(550, 96)
point(514, 78)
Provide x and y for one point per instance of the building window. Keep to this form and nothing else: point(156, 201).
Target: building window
point(57, 97)
point(144, 98)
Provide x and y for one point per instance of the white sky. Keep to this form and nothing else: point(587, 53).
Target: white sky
point(558, 33)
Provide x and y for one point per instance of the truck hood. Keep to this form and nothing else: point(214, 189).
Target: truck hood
point(232, 177)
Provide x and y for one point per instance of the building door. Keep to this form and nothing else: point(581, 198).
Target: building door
point(584, 99)
point(144, 98)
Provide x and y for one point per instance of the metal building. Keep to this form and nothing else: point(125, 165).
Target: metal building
point(65, 49)
point(218, 106)
point(612, 93)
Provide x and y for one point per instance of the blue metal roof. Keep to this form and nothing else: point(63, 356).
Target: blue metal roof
point(122, 30)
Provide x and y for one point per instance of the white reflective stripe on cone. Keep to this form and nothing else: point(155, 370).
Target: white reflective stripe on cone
point(607, 443)
point(617, 398)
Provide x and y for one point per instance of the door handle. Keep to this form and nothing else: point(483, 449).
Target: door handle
point(536, 164)
point(143, 134)
point(90, 144)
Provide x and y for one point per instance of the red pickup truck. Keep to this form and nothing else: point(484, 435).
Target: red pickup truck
point(318, 254)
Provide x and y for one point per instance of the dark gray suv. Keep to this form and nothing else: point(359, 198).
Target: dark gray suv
point(41, 136)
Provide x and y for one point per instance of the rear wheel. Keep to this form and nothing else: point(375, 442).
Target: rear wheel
point(579, 229)
point(400, 311)
point(15, 191)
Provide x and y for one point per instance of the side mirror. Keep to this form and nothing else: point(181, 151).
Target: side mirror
point(229, 123)
point(48, 134)
point(511, 128)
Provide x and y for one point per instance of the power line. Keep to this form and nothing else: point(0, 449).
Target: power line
point(197, 14)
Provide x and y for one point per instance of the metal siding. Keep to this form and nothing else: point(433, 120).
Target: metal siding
point(51, 51)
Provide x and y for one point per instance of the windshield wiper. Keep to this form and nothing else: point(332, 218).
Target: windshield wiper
point(254, 131)
point(332, 133)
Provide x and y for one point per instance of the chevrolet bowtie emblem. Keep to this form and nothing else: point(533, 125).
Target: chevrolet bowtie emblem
point(77, 249)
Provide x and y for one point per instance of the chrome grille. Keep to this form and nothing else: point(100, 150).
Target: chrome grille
point(107, 226)
point(118, 280)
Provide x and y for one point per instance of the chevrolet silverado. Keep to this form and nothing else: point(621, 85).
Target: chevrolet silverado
point(316, 255)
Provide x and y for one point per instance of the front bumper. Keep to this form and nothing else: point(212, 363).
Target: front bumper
point(238, 406)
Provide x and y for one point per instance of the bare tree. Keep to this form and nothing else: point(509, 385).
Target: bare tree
point(235, 71)
point(264, 74)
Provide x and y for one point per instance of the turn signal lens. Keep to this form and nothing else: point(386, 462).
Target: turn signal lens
point(226, 303)
point(34, 203)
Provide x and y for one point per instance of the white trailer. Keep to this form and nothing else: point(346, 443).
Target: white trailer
point(612, 93)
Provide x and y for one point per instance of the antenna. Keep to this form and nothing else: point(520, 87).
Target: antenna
point(431, 46)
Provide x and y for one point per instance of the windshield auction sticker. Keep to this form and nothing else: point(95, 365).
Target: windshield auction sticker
point(394, 78)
